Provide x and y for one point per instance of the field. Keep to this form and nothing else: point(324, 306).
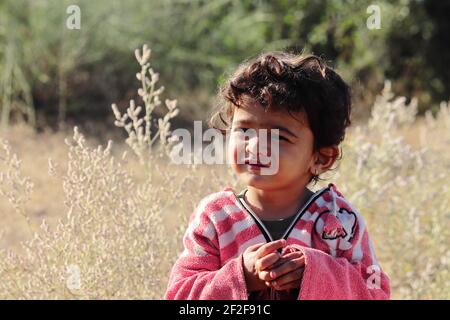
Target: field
point(87, 222)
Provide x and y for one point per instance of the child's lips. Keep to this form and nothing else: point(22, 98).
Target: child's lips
point(255, 164)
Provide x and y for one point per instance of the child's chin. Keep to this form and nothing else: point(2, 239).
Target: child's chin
point(256, 180)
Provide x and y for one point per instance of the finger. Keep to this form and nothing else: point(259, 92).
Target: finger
point(267, 261)
point(278, 263)
point(270, 247)
point(291, 285)
point(287, 257)
point(265, 276)
point(286, 267)
point(295, 275)
point(255, 247)
point(293, 255)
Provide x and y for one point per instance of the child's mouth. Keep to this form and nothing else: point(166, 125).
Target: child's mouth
point(255, 165)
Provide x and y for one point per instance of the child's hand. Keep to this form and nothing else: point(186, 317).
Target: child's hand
point(286, 273)
point(257, 258)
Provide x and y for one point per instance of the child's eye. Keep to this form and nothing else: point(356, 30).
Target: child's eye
point(241, 130)
point(281, 138)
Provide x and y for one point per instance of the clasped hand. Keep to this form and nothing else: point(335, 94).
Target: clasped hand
point(265, 266)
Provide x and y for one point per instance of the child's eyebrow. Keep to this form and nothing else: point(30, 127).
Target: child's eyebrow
point(250, 123)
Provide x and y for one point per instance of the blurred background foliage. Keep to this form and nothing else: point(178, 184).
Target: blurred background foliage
point(50, 74)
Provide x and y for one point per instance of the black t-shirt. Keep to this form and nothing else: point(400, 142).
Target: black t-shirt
point(277, 228)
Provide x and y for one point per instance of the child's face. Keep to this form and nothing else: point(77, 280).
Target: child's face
point(295, 148)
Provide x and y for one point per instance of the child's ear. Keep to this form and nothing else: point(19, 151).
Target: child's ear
point(325, 157)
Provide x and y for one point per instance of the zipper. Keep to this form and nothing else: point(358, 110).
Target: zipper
point(273, 293)
point(299, 214)
point(258, 221)
point(302, 211)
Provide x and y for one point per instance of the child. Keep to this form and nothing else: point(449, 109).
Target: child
point(277, 239)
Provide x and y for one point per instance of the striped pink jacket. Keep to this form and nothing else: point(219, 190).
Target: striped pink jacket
point(340, 260)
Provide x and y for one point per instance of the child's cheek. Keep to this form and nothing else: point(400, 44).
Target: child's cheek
point(234, 156)
point(290, 161)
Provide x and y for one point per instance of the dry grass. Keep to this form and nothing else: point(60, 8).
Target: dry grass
point(113, 223)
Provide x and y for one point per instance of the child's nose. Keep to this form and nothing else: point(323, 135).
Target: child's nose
point(258, 145)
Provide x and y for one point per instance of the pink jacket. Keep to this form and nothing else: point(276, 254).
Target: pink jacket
point(340, 260)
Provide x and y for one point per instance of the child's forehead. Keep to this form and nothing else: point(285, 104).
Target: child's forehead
point(257, 115)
